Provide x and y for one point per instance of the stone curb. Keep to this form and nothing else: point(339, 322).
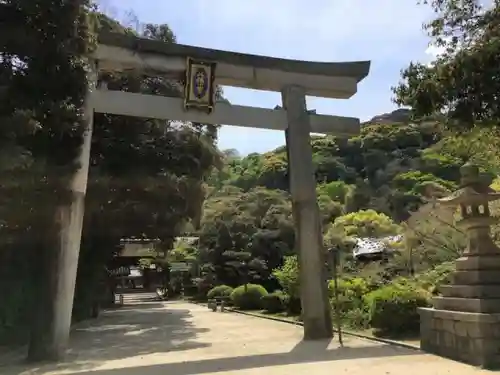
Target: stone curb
point(347, 332)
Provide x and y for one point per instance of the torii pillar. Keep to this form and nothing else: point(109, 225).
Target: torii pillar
point(308, 237)
point(51, 321)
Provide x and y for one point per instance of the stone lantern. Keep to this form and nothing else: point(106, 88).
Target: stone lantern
point(464, 323)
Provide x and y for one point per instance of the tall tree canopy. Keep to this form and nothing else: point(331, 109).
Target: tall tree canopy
point(146, 176)
point(463, 83)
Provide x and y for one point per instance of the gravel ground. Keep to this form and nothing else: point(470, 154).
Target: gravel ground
point(178, 338)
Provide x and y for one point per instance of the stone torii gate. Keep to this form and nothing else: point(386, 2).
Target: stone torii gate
point(202, 70)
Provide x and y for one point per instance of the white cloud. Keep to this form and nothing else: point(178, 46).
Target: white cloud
point(434, 51)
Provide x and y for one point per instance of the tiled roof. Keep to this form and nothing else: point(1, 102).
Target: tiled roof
point(368, 246)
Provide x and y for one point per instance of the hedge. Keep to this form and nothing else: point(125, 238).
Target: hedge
point(274, 302)
point(393, 308)
point(220, 291)
point(248, 297)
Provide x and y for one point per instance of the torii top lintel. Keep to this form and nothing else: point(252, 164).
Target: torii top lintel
point(322, 79)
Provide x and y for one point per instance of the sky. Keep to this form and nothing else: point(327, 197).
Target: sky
point(386, 32)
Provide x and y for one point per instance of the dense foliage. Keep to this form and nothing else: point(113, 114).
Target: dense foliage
point(459, 84)
point(393, 308)
point(377, 185)
point(220, 291)
point(146, 176)
point(275, 302)
point(248, 296)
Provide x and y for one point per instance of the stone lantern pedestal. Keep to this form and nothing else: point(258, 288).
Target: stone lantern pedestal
point(465, 322)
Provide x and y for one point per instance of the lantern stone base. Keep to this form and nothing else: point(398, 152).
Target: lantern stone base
point(473, 338)
point(464, 324)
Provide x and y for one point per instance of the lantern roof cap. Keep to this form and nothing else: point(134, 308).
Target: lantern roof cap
point(474, 188)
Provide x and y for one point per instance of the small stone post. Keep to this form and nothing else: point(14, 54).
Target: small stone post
point(465, 322)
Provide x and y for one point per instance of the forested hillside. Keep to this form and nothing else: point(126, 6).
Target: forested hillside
point(368, 186)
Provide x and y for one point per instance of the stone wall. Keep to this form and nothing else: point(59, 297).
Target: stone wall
point(468, 337)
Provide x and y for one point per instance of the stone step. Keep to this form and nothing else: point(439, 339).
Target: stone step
point(470, 291)
point(490, 261)
point(475, 305)
point(475, 277)
point(134, 298)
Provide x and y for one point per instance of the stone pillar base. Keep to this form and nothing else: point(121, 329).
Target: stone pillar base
point(469, 337)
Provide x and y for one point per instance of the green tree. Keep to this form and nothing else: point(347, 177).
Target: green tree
point(479, 145)
point(288, 276)
point(431, 237)
point(362, 224)
point(146, 176)
point(335, 190)
point(458, 84)
point(246, 233)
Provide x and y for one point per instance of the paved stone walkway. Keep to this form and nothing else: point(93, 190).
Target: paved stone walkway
point(177, 338)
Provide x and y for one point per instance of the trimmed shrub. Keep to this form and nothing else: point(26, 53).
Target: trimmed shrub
point(351, 305)
point(393, 308)
point(220, 291)
point(274, 302)
point(351, 292)
point(248, 297)
point(357, 318)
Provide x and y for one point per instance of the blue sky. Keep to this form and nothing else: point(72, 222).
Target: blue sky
point(387, 32)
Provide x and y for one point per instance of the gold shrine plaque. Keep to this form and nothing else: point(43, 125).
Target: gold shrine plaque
point(199, 91)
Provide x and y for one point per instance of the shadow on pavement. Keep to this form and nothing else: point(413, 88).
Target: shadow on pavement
point(303, 352)
point(126, 332)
